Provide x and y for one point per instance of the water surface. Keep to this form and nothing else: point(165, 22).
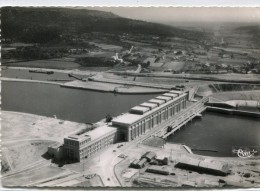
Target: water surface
point(219, 132)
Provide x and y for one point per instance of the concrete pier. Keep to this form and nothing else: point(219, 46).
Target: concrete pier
point(233, 112)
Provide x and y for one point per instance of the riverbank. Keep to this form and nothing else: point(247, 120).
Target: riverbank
point(31, 81)
point(95, 86)
point(233, 112)
point(231, 77)
point(111, 87)
point(66, 71)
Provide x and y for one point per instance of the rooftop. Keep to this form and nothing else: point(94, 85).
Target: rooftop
point(170, 95)
point(100, 131)
point(140, 109)
point(191, 161)
point(129, 118)
point(151, 105)
point(159, 102)
point(93, 134)
point(176, 92)
point(163, 98)
point(159, 168)
point(80, 137)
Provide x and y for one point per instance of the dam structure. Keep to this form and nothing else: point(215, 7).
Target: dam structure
point(160, 116)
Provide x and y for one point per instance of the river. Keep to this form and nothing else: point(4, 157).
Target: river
point(219, 132)
point(25, 74)
point(65, 103)
point(214, 131)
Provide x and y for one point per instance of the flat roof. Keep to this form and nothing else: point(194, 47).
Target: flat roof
point(127, 118)
point(78, 137)
point(170, 95)
point(100, 131)
point(140, 108)
point(192, 161)
point(146, 104)
point(176, 92)
point(164, 98)
point(156, 101)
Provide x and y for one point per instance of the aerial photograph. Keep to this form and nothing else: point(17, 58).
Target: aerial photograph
point(136, 97)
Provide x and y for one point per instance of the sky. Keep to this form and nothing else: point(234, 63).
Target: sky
point(178, 14)
point(165, 14)
point(236, 3)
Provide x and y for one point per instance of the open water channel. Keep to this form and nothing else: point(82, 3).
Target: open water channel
point(215, 132)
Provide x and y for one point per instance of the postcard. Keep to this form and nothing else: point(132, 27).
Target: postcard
point(130, 97)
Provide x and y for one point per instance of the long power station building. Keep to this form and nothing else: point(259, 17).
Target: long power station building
point(146, 116)
point(125, 127)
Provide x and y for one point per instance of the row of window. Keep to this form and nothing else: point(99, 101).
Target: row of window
point(157, 118)
point(84, 142)
point(70, 142)
point(91, 149)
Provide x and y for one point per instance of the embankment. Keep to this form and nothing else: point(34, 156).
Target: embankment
point(32, 81)
point(233, 112)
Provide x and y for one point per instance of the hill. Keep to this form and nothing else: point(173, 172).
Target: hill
point(254, 31)
point(41, 25)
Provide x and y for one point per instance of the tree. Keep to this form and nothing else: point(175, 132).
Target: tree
point(108, 118)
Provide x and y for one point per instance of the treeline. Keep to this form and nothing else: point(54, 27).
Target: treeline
point(254, 31)
point(42, 25)
point(35, 53)
point(95, 62)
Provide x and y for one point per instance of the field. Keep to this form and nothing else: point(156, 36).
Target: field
point(25, 153)
point(26, 137)
point(32, 176)
point(19, 126)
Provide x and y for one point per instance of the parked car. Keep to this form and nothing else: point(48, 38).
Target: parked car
point(122, 156)
point(120, 145)
point(90, 176)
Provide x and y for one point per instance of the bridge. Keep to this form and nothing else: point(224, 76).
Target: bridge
point(177, 121)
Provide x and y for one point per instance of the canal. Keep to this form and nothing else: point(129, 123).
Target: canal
point(69, 104)
point(26, 74)
point(218, 132)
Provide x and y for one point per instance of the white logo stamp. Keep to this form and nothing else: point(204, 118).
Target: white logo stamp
point(245, 152)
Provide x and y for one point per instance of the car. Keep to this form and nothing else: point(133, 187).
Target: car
point(90, 176)
point(118, 146)
point(122, 156)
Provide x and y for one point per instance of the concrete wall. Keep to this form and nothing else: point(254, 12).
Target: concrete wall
point(233, 112)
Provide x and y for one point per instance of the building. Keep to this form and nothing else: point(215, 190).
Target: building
point(205, 166)
point(164, 170)
point(80, 146)
point(56, 151)
point(149, 156)
point(141, 164)
point(126, 127)
point(148, 115)
point(134, 163)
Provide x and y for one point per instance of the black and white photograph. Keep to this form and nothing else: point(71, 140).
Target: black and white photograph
point(130, 97)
